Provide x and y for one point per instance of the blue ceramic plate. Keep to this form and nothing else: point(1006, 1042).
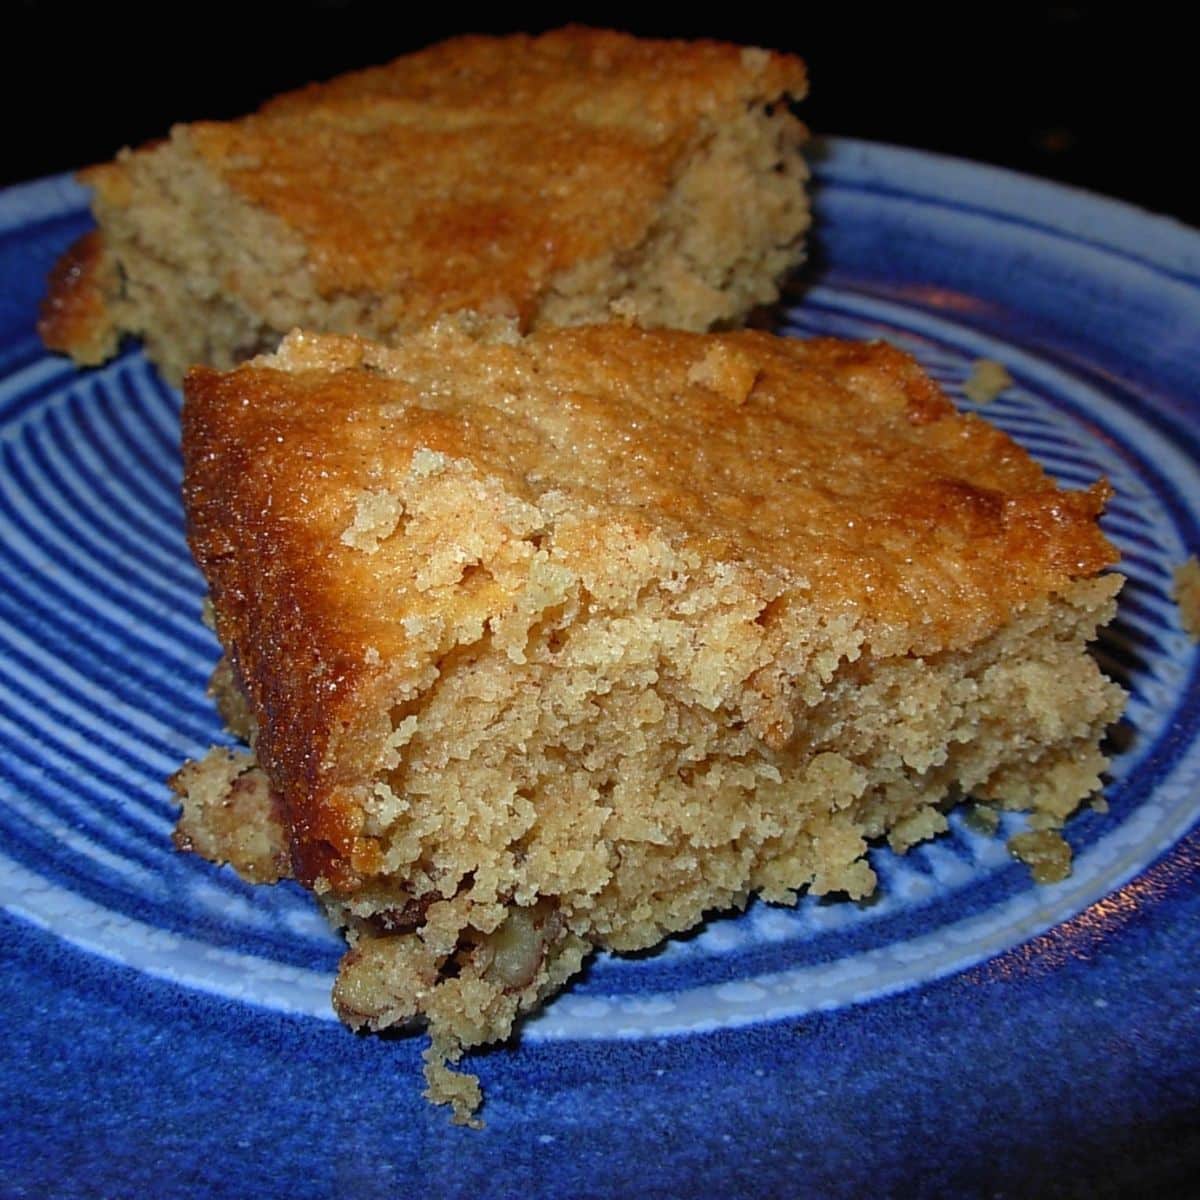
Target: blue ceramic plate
point(167, 1030)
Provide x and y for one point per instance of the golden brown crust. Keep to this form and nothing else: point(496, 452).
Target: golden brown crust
point(833, 476)
point(599, 75)
point(76, 317)
point(469, 175)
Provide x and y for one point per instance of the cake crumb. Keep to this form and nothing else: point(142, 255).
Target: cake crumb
point(1099, 804)
point(920, 826)
point(426, 462)
point(755, 59)
point(228, 815)
point(1045, 852)
point(458, 1089)
point(987, 380)
point(726, 372)
point(1186, 593)
point(230, 698)
point(376, 515)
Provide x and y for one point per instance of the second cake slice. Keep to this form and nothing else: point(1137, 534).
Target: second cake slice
point(553, 179)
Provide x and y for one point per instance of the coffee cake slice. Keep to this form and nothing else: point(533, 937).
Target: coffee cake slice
point(557, 179)
point(563, 641)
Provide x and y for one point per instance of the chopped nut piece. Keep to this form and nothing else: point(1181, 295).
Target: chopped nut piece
point(983, 818)
point(514, 953)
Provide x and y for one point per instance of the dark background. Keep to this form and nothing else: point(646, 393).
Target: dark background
point(1097, 96)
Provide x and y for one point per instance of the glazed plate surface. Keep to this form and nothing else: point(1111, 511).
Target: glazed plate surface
point(966, 1032)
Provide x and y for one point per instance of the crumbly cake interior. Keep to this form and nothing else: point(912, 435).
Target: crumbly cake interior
point(558, 180)
point(543, 808)
point(578, 729)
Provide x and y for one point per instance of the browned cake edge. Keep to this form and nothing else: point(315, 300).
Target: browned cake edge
point(77, 316)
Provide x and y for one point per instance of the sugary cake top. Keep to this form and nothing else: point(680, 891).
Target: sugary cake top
point(356, 508)
point(838, 468)
point(596, 76)
point(470, 174)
